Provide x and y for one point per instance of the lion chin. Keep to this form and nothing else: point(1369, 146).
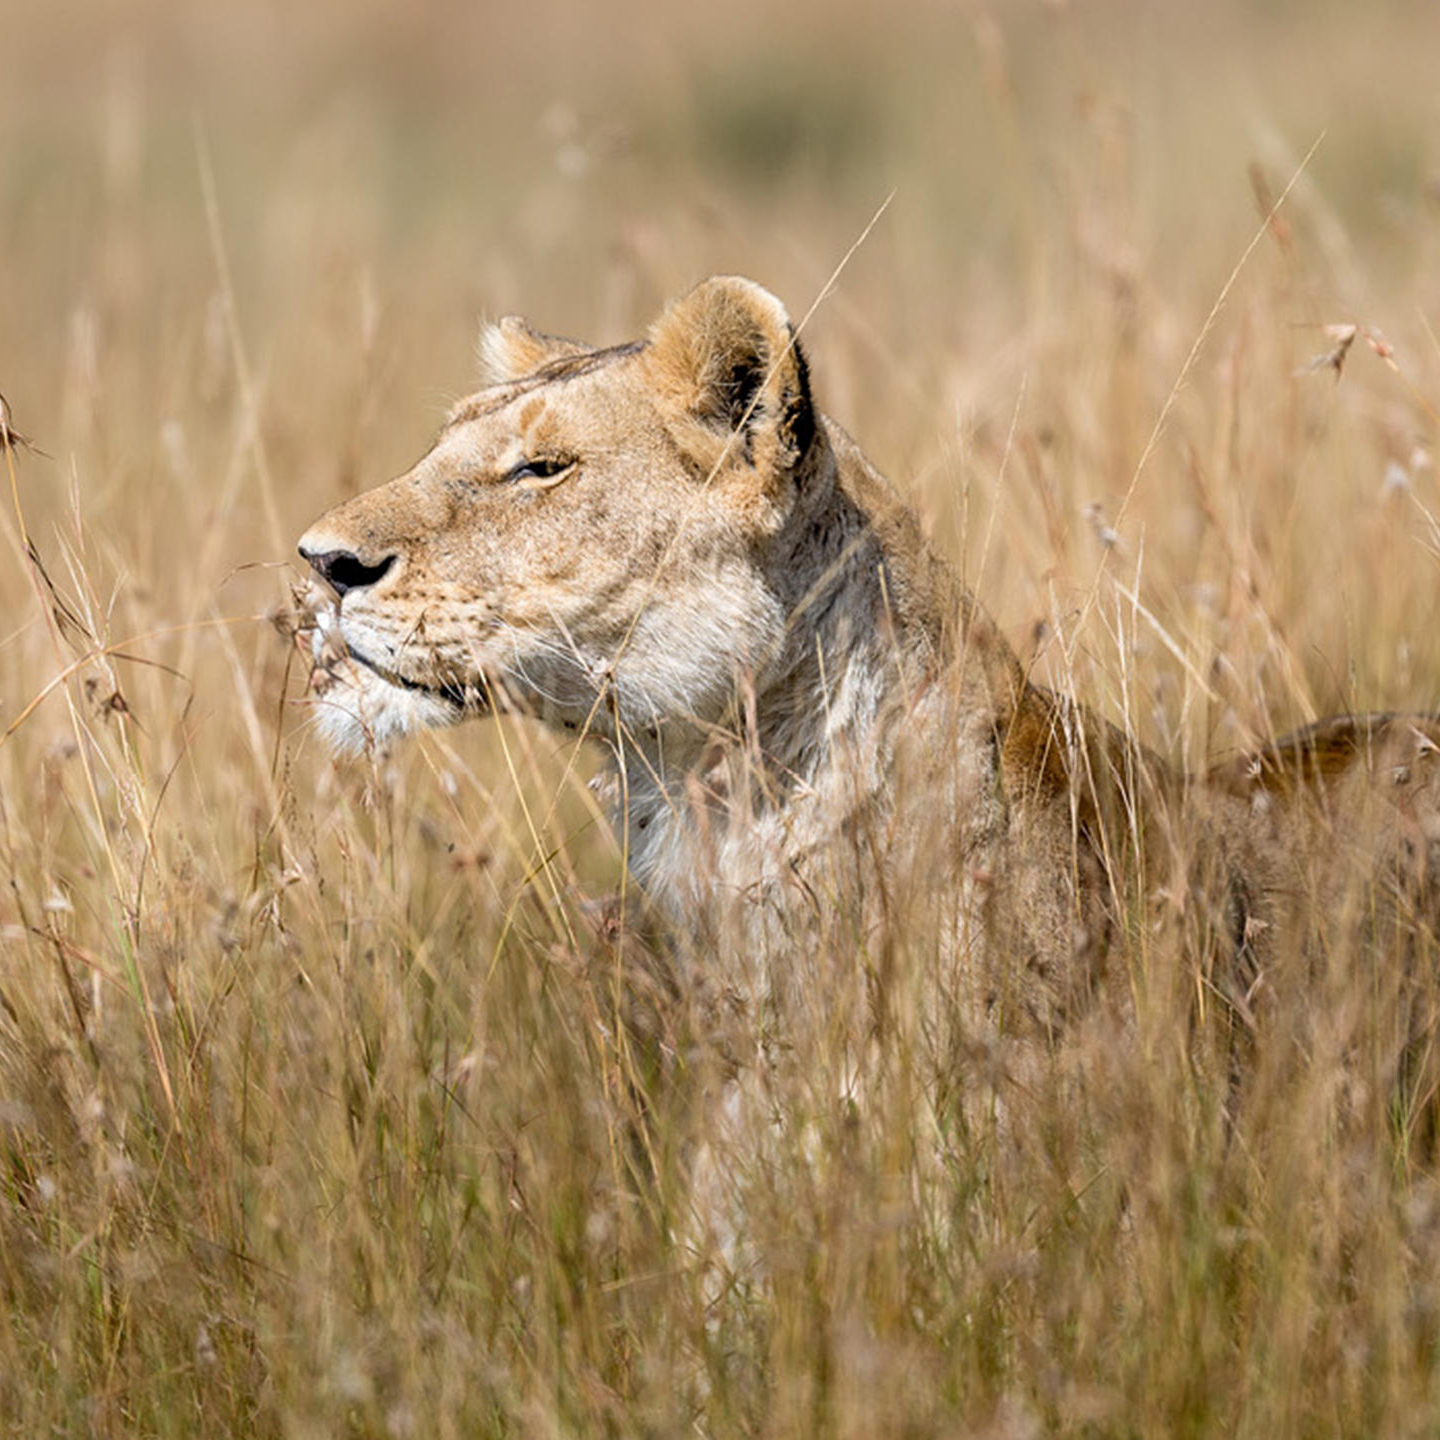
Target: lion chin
point(357, 709)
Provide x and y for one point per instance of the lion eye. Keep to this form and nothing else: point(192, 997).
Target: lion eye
point(538, 471)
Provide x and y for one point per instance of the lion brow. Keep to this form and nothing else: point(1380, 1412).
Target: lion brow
point(553, 372)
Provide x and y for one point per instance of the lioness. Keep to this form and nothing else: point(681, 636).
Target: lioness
point(667, 546)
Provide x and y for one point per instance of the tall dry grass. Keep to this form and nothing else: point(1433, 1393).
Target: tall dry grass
point(326, 1104)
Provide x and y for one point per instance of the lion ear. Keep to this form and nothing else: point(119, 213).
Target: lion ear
point(726, 357)
point(510, 349)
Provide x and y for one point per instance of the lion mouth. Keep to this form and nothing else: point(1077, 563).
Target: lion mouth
point(315, 626)
point(470, 700)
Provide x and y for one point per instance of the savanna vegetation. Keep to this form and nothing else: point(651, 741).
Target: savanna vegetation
point(330, 1103)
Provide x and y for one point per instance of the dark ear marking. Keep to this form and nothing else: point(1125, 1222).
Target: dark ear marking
point(737, 391)
point(797, 408)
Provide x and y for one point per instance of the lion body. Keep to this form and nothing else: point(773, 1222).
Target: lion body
point(667, 547)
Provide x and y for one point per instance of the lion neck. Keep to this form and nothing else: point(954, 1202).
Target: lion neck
point(875, 617)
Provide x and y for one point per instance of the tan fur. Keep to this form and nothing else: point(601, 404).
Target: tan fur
point(802, 704)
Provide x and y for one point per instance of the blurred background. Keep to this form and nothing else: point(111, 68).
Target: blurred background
point(245, 249)
point(240, 239)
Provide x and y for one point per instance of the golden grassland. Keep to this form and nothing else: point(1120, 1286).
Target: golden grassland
point(325, 1108)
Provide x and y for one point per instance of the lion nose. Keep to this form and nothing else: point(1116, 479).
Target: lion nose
point(343, 570)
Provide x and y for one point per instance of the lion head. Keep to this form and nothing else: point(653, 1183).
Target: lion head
point(595, 537)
